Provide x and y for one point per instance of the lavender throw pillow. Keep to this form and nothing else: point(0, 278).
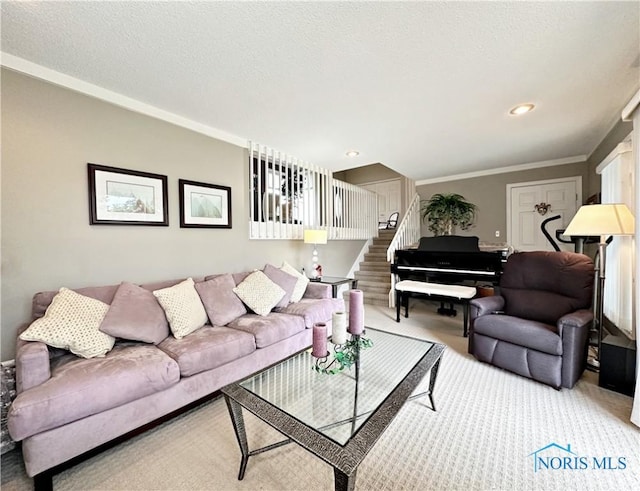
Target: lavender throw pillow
point(221, 304)
point(284, 280)
point(135, 314)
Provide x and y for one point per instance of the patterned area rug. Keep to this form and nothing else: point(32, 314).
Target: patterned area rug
point(488, 424)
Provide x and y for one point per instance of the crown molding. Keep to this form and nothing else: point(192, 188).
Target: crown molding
point(622, 147)
point(57, 78)
point(629, 109)
point(503, 170)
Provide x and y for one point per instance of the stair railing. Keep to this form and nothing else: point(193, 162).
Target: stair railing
point(288, 196)
point(407, 233)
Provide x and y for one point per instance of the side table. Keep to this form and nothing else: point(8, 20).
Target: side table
point(335, 282)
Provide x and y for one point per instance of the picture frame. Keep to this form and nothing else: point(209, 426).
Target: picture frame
point(126, 197)
point(204, 205)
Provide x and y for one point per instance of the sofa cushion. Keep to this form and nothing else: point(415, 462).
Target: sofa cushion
point(284, 280)
point(183, 308)
point(220, 302)
point(159, 285)
point(42, 300)
point(314, 310)
point(240, 277)
point(81, 387)
point(301, 285)
point(207, 348)
point(72, 322)
point(259, 293)
point(270, 329)
point(135, 314)
point(521, 332)
point(316, 289)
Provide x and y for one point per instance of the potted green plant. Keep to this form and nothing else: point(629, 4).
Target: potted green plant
point(445, 212)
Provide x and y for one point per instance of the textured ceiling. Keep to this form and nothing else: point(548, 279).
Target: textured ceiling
point(422, 87)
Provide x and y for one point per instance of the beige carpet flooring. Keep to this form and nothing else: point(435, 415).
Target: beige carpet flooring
point(487, 424)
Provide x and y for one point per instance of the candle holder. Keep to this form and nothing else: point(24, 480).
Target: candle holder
point(344, 355)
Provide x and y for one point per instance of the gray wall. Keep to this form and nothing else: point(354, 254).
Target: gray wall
point(489, 193)
point(48, 136)
point(366, 174)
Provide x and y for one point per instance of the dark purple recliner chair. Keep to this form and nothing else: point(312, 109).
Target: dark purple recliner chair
point(538, 326)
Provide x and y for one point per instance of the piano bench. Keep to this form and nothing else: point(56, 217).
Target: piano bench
point(448, 293)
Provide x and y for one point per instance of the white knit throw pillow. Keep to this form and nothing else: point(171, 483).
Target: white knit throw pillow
point(259, 293)
point(72, 322)
point(183, 307)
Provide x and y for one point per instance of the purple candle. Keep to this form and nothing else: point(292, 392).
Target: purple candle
point(319, 340)
point(356, 312)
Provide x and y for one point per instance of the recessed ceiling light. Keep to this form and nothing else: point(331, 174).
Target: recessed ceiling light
point(352, 153)
point(521, 109)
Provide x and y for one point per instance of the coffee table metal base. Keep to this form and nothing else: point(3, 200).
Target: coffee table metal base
point(343, 481)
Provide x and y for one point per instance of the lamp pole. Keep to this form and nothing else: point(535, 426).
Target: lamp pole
point(602, 248)
point(314, 260)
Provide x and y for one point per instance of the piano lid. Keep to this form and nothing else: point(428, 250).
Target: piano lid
point(448, 258)
point(450, 243)
point(450, 262)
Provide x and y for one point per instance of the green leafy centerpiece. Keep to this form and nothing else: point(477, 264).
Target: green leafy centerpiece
point(344, 355)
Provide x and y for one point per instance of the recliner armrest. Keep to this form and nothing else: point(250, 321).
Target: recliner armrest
point(573, 328)
point(479, 307)
point(485, 305)
point(574, 320)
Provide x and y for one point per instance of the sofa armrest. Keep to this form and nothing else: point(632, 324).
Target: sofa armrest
point(32, 363)
point(485, 305)
point(317, 290)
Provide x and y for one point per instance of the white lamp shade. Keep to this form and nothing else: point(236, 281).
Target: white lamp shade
point(315, 236)
point(605, 219)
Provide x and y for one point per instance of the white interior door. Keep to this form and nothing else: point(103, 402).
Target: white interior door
point(560, 196)
point(388, 197)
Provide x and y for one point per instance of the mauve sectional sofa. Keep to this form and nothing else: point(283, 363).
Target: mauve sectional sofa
point(68, 405)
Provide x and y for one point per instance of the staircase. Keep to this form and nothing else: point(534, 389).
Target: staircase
point(374, 275)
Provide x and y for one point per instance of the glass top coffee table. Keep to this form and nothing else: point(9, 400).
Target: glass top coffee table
point(336, 417)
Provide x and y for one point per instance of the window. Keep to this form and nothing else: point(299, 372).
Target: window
point(618, 186)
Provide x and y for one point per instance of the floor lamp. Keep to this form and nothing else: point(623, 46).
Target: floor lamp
point(602, 220)
point(315, 237)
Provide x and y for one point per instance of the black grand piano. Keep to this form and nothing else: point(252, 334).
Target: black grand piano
point(449, 259)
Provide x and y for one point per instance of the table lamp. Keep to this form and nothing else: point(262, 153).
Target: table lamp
point(602, 220)
point(315, 237)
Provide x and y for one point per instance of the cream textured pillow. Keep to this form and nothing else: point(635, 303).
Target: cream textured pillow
point(301, 285)
point(183, 308)
point(72, 322)
point(259, 293)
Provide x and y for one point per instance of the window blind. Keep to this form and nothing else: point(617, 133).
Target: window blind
point(618, 186)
